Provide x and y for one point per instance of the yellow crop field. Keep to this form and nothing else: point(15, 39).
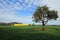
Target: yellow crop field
point(20, 24)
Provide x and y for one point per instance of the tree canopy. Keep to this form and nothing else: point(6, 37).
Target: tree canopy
point(43, 14)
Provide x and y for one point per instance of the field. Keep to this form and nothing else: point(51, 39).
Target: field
point(29, 33)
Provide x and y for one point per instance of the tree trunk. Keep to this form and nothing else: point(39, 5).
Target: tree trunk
point(43, 28)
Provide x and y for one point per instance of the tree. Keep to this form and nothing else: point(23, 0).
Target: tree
point(43, 14)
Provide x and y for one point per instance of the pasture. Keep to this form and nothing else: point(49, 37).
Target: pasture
point(29, 33)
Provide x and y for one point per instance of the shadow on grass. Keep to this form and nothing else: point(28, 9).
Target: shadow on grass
point(14, 35)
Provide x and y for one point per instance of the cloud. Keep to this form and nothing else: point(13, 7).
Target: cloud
point(20, 4)
point(8, 10)
point(11, 17)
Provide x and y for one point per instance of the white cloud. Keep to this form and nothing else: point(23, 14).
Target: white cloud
point(20, 4)
point(8, 11)
point(10, 16)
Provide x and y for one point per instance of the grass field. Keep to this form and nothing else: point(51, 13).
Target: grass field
point(29, 33)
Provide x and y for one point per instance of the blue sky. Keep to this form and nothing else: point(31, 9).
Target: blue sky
point(22, 10)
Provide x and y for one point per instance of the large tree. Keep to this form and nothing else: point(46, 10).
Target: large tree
point(43, 14)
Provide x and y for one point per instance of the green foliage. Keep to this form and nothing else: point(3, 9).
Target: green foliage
point(44, 14)
point(52, 15)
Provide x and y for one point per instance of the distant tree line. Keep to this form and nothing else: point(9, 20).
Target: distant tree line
point(8, 24)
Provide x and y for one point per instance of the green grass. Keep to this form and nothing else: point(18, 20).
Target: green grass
point(29, 33)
